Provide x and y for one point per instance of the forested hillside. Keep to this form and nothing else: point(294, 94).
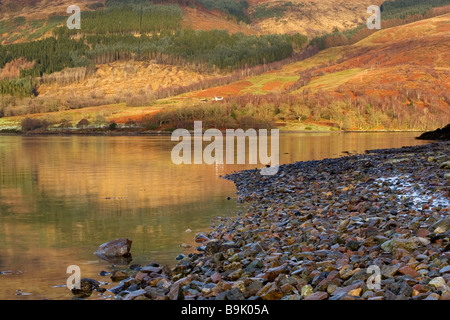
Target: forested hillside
point(38, 52)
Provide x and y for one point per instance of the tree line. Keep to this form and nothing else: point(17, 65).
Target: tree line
point(215, 49)
point(255, 111)
point(129, 18)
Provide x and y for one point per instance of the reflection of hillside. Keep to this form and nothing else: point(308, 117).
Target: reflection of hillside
point(135, 172)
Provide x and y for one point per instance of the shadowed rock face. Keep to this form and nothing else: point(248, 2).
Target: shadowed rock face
point(438, 134)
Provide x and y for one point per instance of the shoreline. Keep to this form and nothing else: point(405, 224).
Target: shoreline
point(132, 133)
point(312, 231)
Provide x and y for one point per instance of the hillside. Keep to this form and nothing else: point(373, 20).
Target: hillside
point(311, 18)
point(422, 45)
point(403, 73)
point(308, 17)
point(132, 60)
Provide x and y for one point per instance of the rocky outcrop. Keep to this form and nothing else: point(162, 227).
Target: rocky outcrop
point(438, 134)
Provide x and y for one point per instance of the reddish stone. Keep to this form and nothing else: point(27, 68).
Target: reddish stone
point(287, 289)
point(228, 237)
point(417, 287)
point(342, 262)
point(272, 273)
point(141, 276)
point(317, 296)
point(216, 277)
point(407, 270)
point(422, 232)
point(332, 275)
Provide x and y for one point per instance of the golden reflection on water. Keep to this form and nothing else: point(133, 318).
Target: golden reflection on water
point(61, 197)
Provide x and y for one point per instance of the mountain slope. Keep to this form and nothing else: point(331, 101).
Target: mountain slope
point(312, 18)
point(295, 16)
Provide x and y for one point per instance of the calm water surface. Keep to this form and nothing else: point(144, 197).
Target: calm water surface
point(61, 197)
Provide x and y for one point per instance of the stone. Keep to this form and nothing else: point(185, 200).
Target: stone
point(116, 289)
point(445, 296)
point(216, 277)
point(388, 271)
point(201, 238)
point(273, 293)
point(135, 294)
point(272, 273)
point(407, 244)
point(235, 294)
point(355, 292)
point(438, 282)
point(236, 275)
point(164, 283)
point(306, 291)
point(433, 296)
point(119, 275)
point(115, 248)
point(87, 286)
point(445, 165)
point(254, 266)
point(345, 290)
point(441, 226)
point(353, 245)
point(445, 269)
point(317, 296)
point(332, 288)
point(389, 295)
point(407, 270)
point(154, 293)
point(176, 292)
point(291, 297)
point(151, 269)
point(142, 276)
point(252, 287)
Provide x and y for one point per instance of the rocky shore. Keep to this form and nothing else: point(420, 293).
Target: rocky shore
point(365, 227)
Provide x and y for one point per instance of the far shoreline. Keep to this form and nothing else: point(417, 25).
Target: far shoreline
point(124, 133)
